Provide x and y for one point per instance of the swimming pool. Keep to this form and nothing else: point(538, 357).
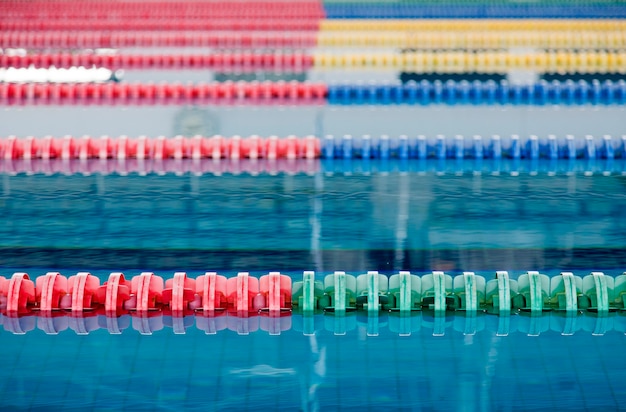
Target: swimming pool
point(323, 222)
point(312, 205)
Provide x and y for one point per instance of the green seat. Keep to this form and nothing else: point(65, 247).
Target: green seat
point(339, 292)
point(405, 291)
point(620, 291)
point(307, 301)
point(599, 292)
point(437, 291)
point(500, 291)
point(372, 291)
point(533, 292)
point(565, 291)
point(469, 291)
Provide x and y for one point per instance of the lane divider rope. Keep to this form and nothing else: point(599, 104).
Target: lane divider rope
point(423, 93)
point(611, 61)
point(421, 39)
point(450, 25)
point(215, 299)
point(310, 147)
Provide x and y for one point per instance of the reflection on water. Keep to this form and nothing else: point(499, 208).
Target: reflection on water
point(322, 222)
point(384, 221)
point(323, 370)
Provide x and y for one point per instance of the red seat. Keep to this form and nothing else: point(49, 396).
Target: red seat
point(179, 292)
point(114, 293)
point(83, 287)
point(49, 290)
point(148, 290)
point(20, 293)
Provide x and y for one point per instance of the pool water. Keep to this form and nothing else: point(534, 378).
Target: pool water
point(324, 221)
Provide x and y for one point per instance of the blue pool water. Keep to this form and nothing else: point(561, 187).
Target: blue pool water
point(352, 221)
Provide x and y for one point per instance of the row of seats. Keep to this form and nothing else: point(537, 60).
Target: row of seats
point(246, 24)
point(120, 39)
point(310, 147)
point(613, 61)
point(261, 93)
point(338, 324)
point(473, 147)
point(329, 167)
point(277, 61)
point(420, 39)
point(255, 93)
point(215, 147)
point(487, 92)
point(307, 24)
point(354, 10)
point(479, 61)
point(338, 292)
point(119, 10)
point(312, 9)
point(474, 39)
point(463, 25)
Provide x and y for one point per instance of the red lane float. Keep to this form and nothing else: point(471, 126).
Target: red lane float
point(261, 93)
point(276, 291)
point(218, 40)
point(242, 61)
point(242, 292)
point(160, 9)
point(145, 293)
point(179, 147)
point(83, 288)
point(179, 292)
point(20, 293)
point(211, 288)
point(50, 290)
point(147, 290)
point(114, 293)
point(4, 283)
point(226, 24)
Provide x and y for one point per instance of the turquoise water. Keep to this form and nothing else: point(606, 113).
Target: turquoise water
point(324, 222)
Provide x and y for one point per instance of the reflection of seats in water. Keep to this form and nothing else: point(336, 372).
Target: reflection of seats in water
point(469, 323)
point(533, 323)
point(114, 324)
point(243, 325)
point(565, 322)
point(340, 323)
point(274, 322)
point(211, 324)
point(308, 324)
point(437, 321)
point(372, 321)
point(599, 323)
point(405, 323)
point(179, 324)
